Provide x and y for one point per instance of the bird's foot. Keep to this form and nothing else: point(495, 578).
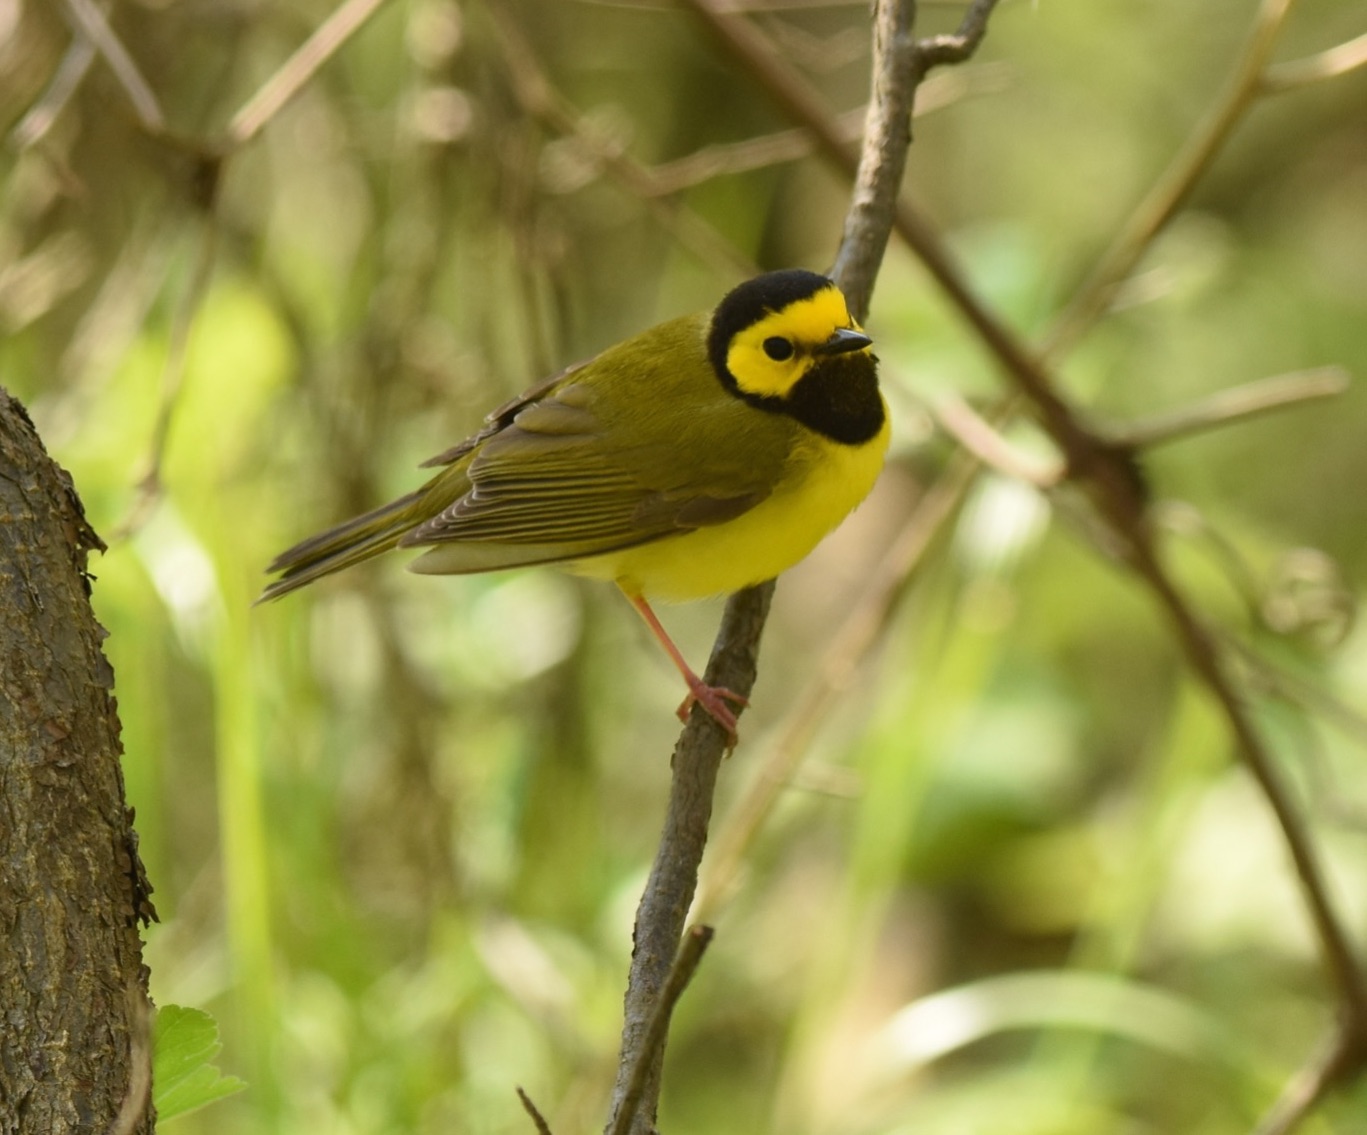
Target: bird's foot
point(713, 699)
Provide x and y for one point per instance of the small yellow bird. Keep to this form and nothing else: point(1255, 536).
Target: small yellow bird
point(707, 454)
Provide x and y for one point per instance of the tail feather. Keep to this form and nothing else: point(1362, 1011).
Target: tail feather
point(349, 543)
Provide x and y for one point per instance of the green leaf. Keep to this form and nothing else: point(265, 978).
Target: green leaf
point(184, 1041)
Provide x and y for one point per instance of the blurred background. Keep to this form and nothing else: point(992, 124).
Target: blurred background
point(398, 825)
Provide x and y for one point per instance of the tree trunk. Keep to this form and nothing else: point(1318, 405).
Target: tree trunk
point(74, 1053)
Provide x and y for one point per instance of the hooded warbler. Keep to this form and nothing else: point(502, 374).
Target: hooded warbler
point(709, 453)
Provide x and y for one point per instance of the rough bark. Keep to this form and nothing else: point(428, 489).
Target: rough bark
point(73, 989)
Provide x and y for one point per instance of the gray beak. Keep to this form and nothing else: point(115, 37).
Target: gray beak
point(843, 341)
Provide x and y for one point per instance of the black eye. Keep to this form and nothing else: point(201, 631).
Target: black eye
point(778, 348)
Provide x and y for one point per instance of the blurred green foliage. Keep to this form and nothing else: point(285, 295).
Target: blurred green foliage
point(398, 825)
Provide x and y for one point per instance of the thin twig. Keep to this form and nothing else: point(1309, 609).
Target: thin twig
point(663, 909)
point(40, 117)
point(299, 68)
point(90, 20)
point(1237, 404)
point(685, 965)
point(756, 58)
point(741, 157)
point(982, 439)
point(538, 1120)
point(1337, 1057)
point(939, 50)
point(936, 93)
point(1185, 520)
point(1223, 408)
point(1329, 64)
point(1292, 688)
point(887, 137)
point(1171, 189)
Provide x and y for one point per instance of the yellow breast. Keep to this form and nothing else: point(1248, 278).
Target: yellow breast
point(822, 483)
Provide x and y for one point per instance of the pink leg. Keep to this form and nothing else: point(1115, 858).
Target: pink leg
point(713, 699)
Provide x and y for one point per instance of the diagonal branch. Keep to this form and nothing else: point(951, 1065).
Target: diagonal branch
point(38, 121)
point(93, 25)
point(1171, 189)
point(1203, 655)
point(681, 972)
point(941, 90)
point(1339, 1054)
point(299, 68)
point(673, 878)
point(1237, 404)
point(887, 136)
point(1328, 64)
